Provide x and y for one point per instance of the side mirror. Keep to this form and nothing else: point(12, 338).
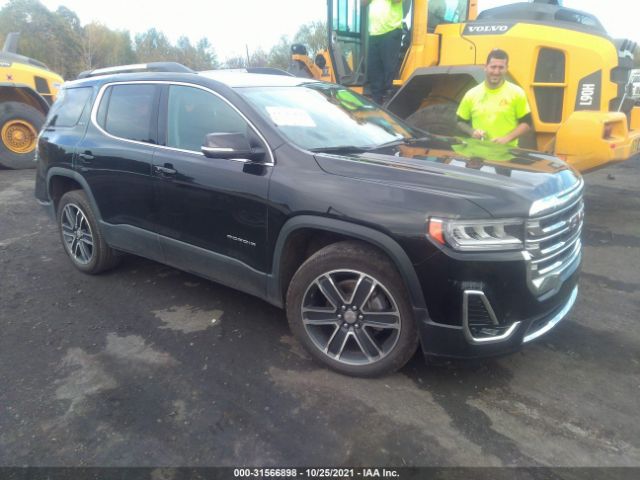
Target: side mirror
point(230, 145)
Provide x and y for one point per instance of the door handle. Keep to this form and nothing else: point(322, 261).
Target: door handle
point(164, 170)
point(86, 156)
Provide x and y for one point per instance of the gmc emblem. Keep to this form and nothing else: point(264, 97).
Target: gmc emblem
point(574, 221)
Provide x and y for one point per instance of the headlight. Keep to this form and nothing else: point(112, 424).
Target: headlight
point(478, 235)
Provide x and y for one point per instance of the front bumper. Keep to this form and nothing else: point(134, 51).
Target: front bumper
point(453, 341)
point(486, 307)
point(458, 342)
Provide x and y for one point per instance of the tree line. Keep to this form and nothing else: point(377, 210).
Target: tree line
point(58, 39)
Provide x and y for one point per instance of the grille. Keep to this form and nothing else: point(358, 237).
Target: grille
point(552, 240)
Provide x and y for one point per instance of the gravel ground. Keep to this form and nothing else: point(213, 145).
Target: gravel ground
point(148, 366)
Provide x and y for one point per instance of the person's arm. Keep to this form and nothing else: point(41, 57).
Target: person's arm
point(464, 118)
point(469, 130)
point(523, 127)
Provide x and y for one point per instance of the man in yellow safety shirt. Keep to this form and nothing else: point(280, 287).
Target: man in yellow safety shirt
point(495, 110)
point(385, 36)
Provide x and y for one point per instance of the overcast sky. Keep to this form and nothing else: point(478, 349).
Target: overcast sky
point(229, 25)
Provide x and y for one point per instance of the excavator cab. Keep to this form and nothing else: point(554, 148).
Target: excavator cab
point(348, 37)
point(579, 82)
point(347, 41)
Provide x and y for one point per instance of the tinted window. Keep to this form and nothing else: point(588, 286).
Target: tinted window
point(42, 86)
point(550, 68)
point(446, 11)
point(346, 15)
point(549, 101)
point(102, 108)
point(69, 106)
point(127, 111)
point(193, 113)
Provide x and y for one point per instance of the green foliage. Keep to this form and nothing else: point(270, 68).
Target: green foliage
point(102, 47)
point(259, 58)
point(59, 40)
point(106, 47)
point(45, 35)
point(198, 57)
point(153, 46)
point(313, 35)
point(280, 54)
point(236, 62)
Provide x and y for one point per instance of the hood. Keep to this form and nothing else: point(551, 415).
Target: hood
point(503, 180)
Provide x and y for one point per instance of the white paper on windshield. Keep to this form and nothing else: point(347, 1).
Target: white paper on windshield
point(290, 117)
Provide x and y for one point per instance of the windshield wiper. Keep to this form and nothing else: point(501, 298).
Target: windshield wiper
point(341, 149)
point(392, 143)
point(355, 149)
point(418, 139)
point(401, 141)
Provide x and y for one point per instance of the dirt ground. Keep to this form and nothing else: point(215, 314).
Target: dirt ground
point(146, 365)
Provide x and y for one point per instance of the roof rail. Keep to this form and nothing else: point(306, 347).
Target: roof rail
point(139, 67)
point(269, 71)
point(262, 70)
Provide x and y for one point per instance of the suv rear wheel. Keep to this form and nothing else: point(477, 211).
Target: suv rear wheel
point(81, 236)
point(348, 306)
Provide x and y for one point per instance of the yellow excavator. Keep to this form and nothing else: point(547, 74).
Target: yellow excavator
point(580, 83)
point(27, 89)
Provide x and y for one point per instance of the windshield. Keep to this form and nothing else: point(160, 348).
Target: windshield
point(318, 116)
point(446, 11)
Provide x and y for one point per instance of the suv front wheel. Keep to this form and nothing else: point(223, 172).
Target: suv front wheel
point(348, 306)
point(81, 236)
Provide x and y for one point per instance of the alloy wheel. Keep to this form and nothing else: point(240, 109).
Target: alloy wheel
point(76, 233)
point(351, 317)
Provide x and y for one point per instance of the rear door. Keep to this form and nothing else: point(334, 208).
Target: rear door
point(115, 156)
point(63, 130)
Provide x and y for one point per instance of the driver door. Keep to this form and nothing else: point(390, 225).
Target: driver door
point(212, 211)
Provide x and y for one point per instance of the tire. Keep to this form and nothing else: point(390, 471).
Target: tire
point(81, 237)
point(19, 127)
point(364, 326)
point(439, 118)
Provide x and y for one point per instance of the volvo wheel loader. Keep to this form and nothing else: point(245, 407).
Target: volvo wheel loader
point(579, 82)
point(27, 89)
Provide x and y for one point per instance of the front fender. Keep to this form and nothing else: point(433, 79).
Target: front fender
point(275, 289)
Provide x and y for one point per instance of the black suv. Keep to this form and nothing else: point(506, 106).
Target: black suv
point(372, 235)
